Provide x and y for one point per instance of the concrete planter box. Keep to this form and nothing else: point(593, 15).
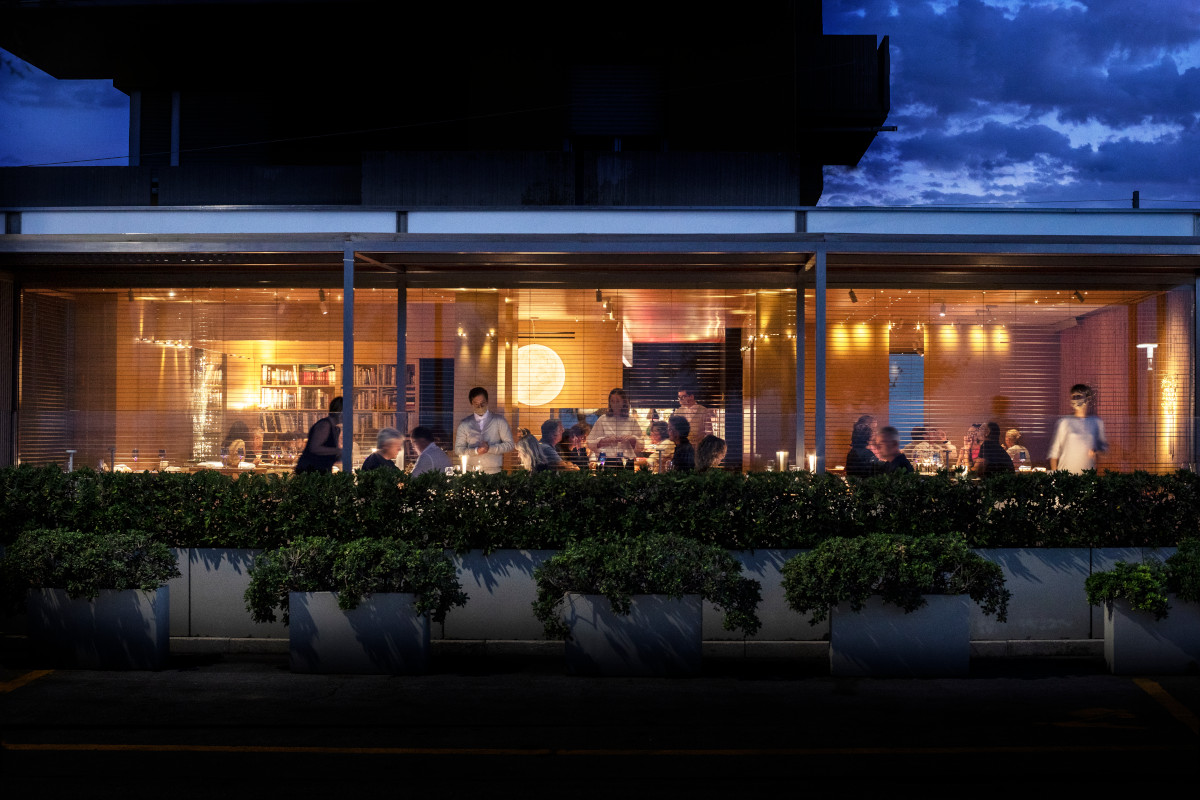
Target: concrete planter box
point(384, 635)
point(208, 598)
point(882, 640)
point(1135, 642)
point(660, 636)
point(502, 591)
point(116, 630)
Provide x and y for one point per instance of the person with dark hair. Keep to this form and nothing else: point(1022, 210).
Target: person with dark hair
point(552, 434)
point(482, 436)
point(684, 457)
point(616, 434)
point(324, 443)
point(972, 441)
point(888, 448)
point(709, 453)
point(993, 459)
point(698, 416)
point(861, 461)
point(430, 457)
point(574, 447)
point(387, 446)
point(1079, 437)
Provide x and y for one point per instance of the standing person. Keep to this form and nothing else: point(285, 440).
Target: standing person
point(552, 434)
point(698, 417)
point(430, 457)
point(1016, 451)
point(861, 461)
point(387, 446)
point(482, 436)
point(324, 444)
point(684, 457)
point(1078, 438)
point(888, 448)
point(993, 459)
point(616, 434)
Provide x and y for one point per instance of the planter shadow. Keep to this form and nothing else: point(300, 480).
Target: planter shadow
point(384, 635)
point(1137, 643)
point(884, 641)
point(659, 637)
point(116, 630)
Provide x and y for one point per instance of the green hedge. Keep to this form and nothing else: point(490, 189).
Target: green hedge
point(548, 510)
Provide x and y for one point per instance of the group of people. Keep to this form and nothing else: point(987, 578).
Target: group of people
point(1078, 438)
point(616, 438)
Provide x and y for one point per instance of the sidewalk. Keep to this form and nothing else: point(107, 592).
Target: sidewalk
point(515, 725)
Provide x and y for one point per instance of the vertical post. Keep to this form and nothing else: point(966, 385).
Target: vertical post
point(801, 452)
point(819, 348)
point(348, 359)
point(1195, 455)
point(402, 354)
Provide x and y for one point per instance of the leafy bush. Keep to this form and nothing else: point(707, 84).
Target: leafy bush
point(551, 509)
point(897, 568)
point(354, 569)
point(84, 563)
point(656, 564)
point(1145, 586)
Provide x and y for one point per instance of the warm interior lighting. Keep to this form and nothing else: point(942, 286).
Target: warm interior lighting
point(1149, 348)
point(942, 313)
point(324, 305)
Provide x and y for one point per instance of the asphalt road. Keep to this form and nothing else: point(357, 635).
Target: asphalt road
point(225, 726)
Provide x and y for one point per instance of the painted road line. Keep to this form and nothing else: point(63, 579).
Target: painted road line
point(28, 677)
point(590, 752)
point(1177, 709)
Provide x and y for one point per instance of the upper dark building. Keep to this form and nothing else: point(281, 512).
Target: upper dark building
point(361, 102)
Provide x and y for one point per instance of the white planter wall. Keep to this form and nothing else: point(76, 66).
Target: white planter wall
point(659, 636)
point(779, 623)
point(208, 599)
point(383, 635)
point(501, 590)
point(117, 630)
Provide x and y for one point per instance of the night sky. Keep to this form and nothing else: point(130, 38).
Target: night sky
point(1037, 103)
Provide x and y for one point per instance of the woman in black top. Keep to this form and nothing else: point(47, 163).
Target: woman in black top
point(678, 429)
point(323, 447)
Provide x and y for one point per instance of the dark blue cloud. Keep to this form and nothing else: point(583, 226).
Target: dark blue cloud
point(1030, 101)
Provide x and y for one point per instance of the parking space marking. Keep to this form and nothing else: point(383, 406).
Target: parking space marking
point(28, 677)
point(1177, 709)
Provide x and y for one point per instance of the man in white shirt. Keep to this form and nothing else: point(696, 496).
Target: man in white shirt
point(616, 434)
point(699, 417)
point(482, 436)
point(430, 457)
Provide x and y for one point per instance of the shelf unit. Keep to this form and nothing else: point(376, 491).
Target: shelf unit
point(294, 396)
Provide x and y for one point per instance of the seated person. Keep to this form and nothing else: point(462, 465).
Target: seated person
point(430, 457)
point(1016, 451)
point(533, 458)
point(992, 459)
point(659, 447)
point(972, 441)
point(709, 453)
point(888, 447)
point(573, 448)
point(387, 446)
point(861, 462)
point(684, 457)
point(552, 434)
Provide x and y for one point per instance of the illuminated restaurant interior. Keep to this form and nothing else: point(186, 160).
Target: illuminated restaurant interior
point(148, 375)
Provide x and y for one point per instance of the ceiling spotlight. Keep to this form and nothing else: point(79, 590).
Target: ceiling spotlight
point(942, 312)
point(599, 296)
point(324, 305)
point(853, 297)
point(130, 295)
point(1077, 296)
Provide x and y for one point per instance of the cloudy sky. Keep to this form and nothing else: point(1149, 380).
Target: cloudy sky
point(1046, 103)
point(1037, 103)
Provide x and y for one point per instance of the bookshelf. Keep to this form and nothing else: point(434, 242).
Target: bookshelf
point(294, 396)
